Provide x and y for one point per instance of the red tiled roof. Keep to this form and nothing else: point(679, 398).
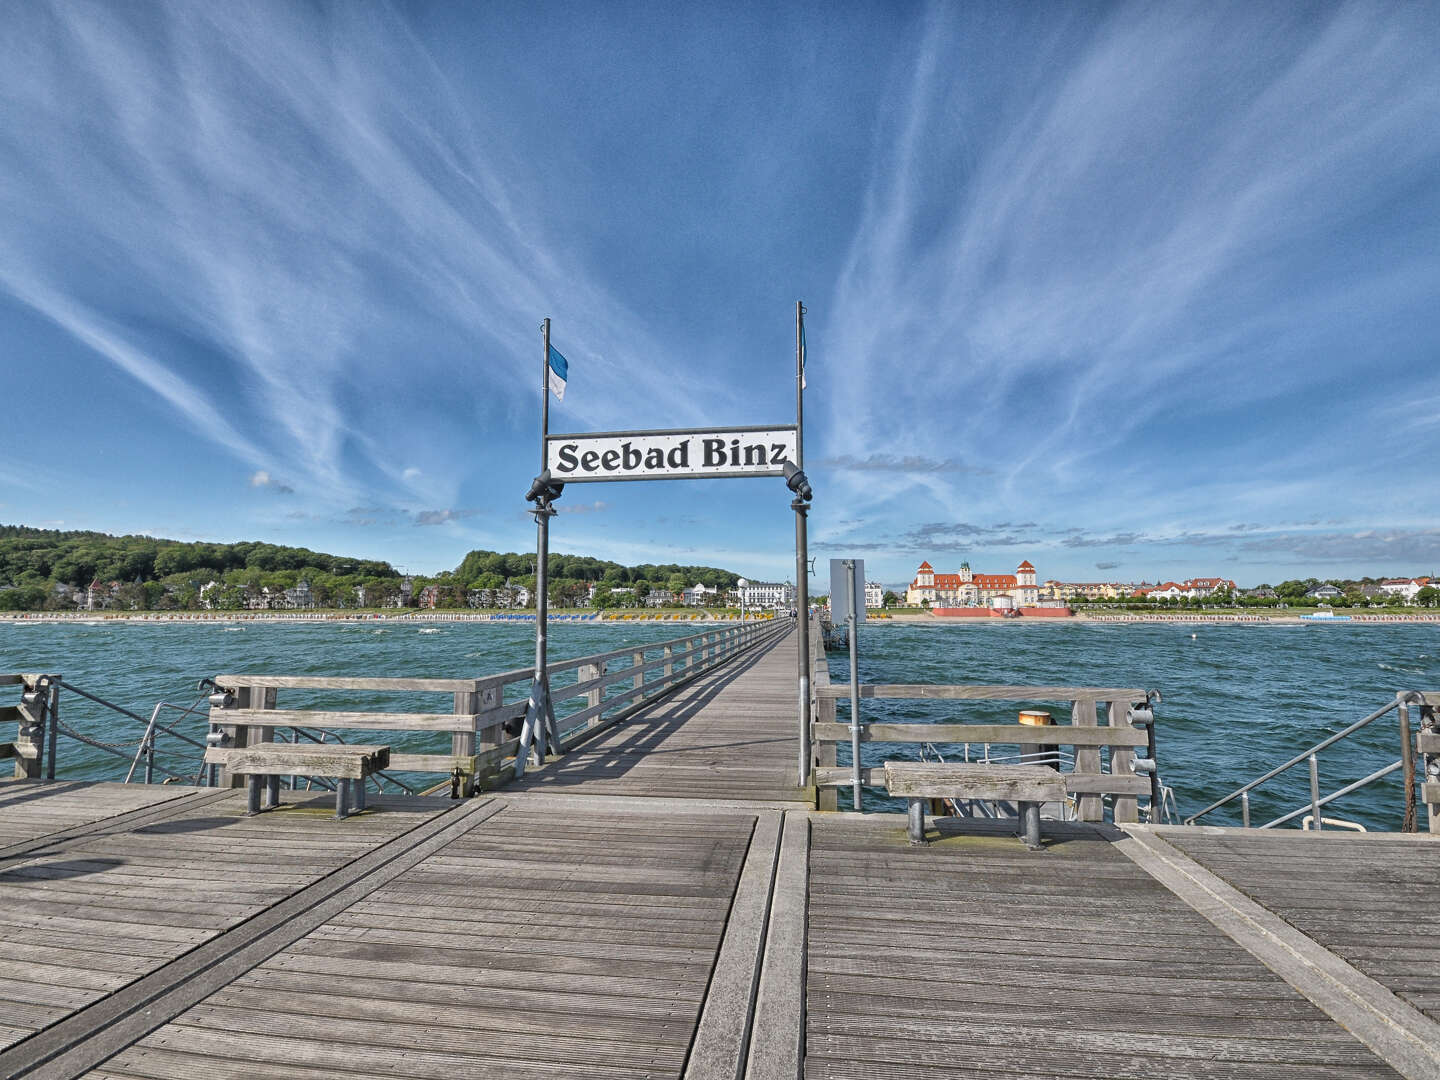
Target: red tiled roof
point(1026, 565)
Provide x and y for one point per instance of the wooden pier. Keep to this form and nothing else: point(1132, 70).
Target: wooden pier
point(663, 901)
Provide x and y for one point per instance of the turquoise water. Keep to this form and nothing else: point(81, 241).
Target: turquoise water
point(1237, 699)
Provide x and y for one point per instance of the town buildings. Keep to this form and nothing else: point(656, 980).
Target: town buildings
point(1194, 589)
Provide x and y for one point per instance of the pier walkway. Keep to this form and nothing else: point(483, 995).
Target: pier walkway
point(662, 902)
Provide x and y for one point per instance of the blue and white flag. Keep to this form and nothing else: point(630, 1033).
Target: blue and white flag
point(559, 372)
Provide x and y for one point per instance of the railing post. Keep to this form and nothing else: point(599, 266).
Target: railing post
point(462, 743)
point(584, 673)
point(1430, 766)
point(637, 661)
point(669, 668)
point(1407, 765)
point(1127, 807)
point(1087, 760)
point(1315, 793)
point(1245, 809)
point(30, 727)
point(827, 798)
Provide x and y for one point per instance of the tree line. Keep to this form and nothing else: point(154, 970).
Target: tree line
point(47, 569)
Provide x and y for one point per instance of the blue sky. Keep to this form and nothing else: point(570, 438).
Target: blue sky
point(1130, 291)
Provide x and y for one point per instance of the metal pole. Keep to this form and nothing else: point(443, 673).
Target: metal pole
point(1315, 792)
point(52, 732)
point(854, 681)
point(802, 553)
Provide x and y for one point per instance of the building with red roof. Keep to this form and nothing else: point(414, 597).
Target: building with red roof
point(967, 589)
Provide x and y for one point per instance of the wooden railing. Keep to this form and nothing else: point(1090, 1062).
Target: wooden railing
point(1087, 783)
point(611, 685)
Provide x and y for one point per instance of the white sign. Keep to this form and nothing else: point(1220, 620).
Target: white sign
point(669, 455)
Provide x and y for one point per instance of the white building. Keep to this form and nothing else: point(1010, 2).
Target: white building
point(1405, 588)
point(699, 595)
point(767, 594)
point(874, 595)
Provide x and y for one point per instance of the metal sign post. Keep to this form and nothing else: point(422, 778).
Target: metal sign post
point(847, 602)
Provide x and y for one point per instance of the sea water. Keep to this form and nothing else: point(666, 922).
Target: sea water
point(1237, 700)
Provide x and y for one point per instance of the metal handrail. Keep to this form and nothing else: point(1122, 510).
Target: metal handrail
point(1310, 757)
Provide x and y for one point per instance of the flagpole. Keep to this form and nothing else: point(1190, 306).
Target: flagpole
point(802, 552)
point(539, 715)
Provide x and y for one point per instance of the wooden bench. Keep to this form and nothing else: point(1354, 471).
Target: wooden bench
point(348, 765)
point(1027, 785)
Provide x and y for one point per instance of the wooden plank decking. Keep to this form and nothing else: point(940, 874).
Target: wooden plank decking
point(612, 918)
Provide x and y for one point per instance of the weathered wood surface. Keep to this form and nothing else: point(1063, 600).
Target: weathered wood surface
point(982, 693)
point(89, 914)
point(966, 958)
point(342, 760)
point(30, 809)
point(335, 682)
point(952, 780)
point(1075, 783)
point(729, 734)
point(1004, 734)
point(1357, 895)
point(356, 721)
point(519, 950)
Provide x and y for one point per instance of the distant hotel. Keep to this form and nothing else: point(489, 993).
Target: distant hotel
point(968, 589)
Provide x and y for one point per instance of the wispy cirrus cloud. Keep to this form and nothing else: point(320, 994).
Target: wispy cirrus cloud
point(261, 176)
point(895, 463)
point(1142, 220)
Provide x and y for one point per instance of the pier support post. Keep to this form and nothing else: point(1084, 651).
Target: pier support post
point(915, 821)
point(1030, 825)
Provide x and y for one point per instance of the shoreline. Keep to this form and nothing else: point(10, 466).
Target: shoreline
point(612, 619)
point(89, 618)
point(1211, 618)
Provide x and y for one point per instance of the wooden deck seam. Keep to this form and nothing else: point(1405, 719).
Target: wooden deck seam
point(91, 1035)
point(1398, 1034)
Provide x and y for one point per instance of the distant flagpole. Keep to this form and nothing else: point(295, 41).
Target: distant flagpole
point(802, 553)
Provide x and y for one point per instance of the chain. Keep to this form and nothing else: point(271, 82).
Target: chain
point(66, 729)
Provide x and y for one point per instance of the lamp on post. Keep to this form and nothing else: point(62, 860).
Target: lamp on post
point(742, 585)
point(539, 726)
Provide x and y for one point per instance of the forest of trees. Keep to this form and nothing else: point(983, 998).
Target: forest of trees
point(46, 569)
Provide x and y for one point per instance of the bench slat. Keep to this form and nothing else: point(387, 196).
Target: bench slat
point(332, 682)
point(1050, 734)
point(1075, 783)
point(1021, 783)
point(983, 693)
point(344, 762)
point(358, 721)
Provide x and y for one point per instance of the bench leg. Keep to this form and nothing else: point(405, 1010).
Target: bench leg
point(1030, 824)
point(359, 794)
point(273, 795)
point(342, 799)
point(252, 793)
point(916, 821)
